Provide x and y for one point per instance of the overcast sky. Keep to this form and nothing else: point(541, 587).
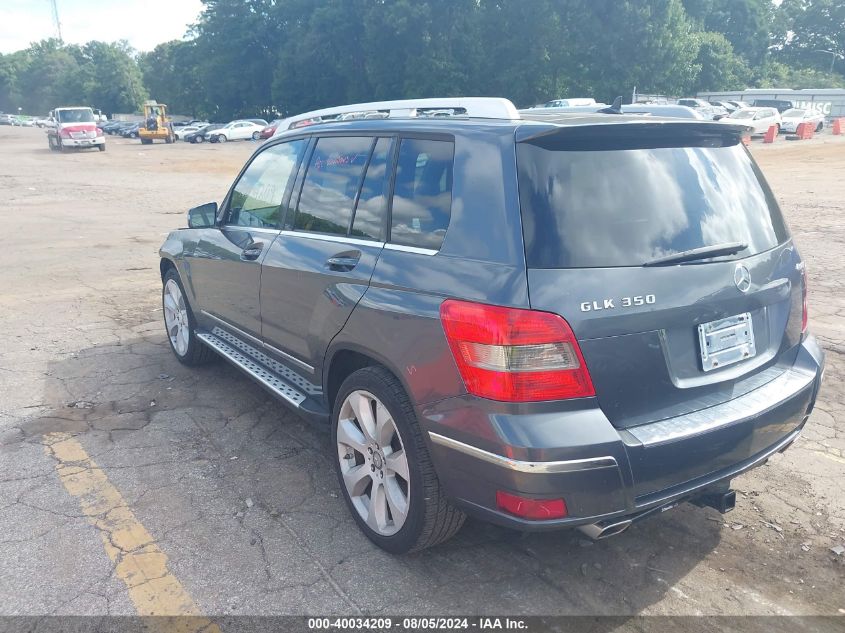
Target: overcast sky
point(143, 23)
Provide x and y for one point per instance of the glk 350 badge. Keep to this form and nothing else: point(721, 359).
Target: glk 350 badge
point(622, 302)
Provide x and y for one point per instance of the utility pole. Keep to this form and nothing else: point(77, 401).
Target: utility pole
point(833, 56)
point(56, 20)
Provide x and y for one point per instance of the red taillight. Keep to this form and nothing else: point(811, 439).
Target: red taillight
point(515, 355)
point(804, 309)
point(536, 509)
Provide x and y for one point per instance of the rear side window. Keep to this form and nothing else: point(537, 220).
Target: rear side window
point(624, 207)
point(331, 184)
point(422, 195)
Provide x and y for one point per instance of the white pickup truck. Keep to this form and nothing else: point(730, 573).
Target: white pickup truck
point(74, 127)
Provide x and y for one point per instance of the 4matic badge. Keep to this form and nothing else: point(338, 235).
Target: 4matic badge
point(622, 302)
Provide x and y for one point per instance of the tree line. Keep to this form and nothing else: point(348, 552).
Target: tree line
point(269, 57)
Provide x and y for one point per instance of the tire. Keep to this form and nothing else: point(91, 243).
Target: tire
point(256, 136)
point(146, 141)
point(199, 139)
point(51, 144)
point(820, 126)
point(181, 329)
point(221, 138)
point(102, 147)
point(363, 464)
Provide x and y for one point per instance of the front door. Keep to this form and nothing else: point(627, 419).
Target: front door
point(319, 267)
point(225, 267)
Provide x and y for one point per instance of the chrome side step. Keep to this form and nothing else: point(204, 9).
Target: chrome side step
point(252, 361)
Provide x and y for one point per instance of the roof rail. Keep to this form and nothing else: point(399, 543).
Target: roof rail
point(478, 107)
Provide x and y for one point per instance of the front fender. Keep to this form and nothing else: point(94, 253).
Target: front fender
point(176, 250)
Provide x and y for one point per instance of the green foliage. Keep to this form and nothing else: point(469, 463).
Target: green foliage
point(718, 65)
point(270, 57)
point(47, 75)
point(777, 75)
point(810, 27)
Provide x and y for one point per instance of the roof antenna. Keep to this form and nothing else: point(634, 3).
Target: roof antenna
point(616, 108)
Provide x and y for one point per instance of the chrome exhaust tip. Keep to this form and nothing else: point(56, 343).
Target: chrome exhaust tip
point(605, 529)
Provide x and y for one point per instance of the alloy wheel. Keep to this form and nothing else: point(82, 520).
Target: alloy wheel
point(373, 463)
point(176, 317)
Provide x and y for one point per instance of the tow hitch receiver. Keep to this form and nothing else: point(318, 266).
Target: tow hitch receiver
point(723, 500)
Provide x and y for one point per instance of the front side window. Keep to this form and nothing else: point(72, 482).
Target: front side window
point(422, 195)
point(257, 197)
point(331, 184)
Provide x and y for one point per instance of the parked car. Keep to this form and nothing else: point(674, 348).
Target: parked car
point(180, 132)
point(759, 119)
point(792, 118)
point(709, 111)
point(6, 119)
point(543, 346)
point(111, 126)
point(780, 105)
point(740, 104)
point(566, 103)
point(237, 131)
point(201, 135)
point(131, 131)
point(270, 129)
point(727, 105)
point(668, 110)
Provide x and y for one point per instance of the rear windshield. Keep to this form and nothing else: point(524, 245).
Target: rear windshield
point(623, 207)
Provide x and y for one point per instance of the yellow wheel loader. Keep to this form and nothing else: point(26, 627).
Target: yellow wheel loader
point(156, 124)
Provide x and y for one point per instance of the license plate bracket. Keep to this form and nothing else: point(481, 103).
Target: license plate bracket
point(726, 341)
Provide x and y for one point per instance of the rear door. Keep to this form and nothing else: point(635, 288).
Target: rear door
point(601, 207)
point(320, 265)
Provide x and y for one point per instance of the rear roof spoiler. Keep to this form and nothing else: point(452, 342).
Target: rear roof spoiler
point(604, 127)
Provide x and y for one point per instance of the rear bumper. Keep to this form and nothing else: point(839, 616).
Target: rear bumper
point(607, 473)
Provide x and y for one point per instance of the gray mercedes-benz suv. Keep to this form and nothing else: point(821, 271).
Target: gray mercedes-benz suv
point(543, 320)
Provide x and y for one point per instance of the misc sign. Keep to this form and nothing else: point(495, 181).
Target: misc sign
point(819, 106)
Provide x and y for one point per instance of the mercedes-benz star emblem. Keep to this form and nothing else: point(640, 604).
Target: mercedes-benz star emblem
point(742, 278)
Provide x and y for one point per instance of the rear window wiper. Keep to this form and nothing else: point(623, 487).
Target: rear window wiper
point(703, 252)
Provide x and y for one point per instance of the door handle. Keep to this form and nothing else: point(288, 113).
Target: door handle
point(344, 261)
point(252, 252)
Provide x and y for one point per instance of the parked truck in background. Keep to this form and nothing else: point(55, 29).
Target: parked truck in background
point(74, 127)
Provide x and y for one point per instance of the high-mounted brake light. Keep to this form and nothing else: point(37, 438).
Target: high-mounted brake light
point(515, 355)
point(804, 307)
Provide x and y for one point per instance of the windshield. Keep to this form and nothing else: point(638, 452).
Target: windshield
point(795, 112)
point(743, 114)
point(79, 115)
point(623, 207)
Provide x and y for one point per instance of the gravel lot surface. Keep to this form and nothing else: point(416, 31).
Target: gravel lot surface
point(234, 500)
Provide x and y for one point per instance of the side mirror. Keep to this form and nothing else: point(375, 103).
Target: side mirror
point(203, 216)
